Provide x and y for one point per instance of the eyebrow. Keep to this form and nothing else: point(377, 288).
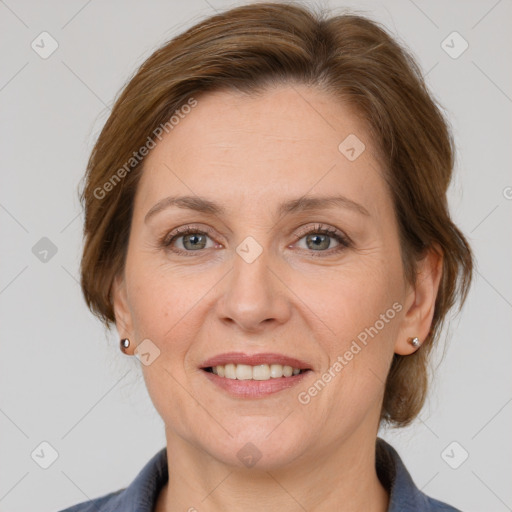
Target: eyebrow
point(204, 205)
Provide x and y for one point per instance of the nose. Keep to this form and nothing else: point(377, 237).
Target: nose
point(254, 295)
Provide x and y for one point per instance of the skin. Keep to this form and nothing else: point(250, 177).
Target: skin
point(249, 154)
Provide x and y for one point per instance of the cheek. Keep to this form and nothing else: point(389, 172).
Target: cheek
point(354, 301)
point(162, 306)
point(360, 312)
point(159, 299)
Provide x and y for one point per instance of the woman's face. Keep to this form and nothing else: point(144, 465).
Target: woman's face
point(268, 265)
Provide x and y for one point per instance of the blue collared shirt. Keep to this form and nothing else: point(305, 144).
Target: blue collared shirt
point(142, 494)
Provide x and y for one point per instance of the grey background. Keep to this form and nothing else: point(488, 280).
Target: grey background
point(63, 379)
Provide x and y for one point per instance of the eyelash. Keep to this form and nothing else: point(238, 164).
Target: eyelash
point(343, 240)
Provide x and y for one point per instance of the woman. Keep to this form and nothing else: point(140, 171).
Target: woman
point(267, 227)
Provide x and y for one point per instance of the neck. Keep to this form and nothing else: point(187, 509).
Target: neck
point(341, 478)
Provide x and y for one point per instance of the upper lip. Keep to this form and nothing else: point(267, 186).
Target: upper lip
point(254, 360)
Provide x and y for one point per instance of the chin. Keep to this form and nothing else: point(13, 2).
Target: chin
point(260, 445)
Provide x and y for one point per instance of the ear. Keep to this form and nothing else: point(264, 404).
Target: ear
point(420, 301)
point(124, 323)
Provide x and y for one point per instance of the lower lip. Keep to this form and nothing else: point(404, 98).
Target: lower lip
point(255, 388)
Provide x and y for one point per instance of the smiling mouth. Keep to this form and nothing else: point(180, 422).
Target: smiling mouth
point(259, 372)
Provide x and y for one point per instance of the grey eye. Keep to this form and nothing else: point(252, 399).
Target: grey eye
point(318, 241)
point(194, 241)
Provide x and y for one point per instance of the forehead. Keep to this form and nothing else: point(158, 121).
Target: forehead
point(289, 114)
point(288, 139)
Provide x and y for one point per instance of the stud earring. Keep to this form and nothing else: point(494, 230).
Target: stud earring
point(125, 343)
point(415, 342)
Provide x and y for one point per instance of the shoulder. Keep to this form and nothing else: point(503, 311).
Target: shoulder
point(439, 506)
point(105, 503)
point(140, 496)
point(404, 495)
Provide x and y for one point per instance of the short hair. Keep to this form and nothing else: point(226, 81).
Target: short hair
point(247, 49)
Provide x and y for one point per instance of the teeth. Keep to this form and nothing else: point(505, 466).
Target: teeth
point(259, 372)
point(229, 371)
point(243, 372)
point(276, 370)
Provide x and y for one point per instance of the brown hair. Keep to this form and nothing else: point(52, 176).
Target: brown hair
point(246, 49)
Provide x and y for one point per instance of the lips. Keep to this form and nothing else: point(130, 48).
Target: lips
point(254, 360)
point(254, 376)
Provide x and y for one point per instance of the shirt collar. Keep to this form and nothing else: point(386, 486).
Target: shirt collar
point(142, 494)
point(404, 496)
